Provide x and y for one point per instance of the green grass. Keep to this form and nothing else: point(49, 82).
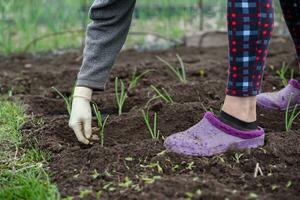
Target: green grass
point(11, 118)
point(22, 174)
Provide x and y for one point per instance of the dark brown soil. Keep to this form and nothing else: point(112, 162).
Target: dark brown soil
point(130, 152)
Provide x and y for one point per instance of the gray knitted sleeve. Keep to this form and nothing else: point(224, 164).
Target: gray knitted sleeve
point(105, 36)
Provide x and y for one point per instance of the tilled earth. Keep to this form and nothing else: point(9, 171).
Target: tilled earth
point(133, 166)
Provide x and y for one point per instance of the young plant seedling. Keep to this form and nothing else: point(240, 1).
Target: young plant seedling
point(253, 195)
point(95, 174)
point(127, 183)
point(101, 123)
point(219, 158)
point(109, 187)
point(179, 72)
point(274, 187)
point(155, 133)
point(190, 166)
point(201, 73)
point(135, 78)
point(84, 193)
point(237, 157)
point(150, 180)
point(163, 94)
point(67, 100)
point(120, 97)
point(154, 166)
point(289, 119)
point(289, 184)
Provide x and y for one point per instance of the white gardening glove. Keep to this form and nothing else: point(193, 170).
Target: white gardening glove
point(81, 115)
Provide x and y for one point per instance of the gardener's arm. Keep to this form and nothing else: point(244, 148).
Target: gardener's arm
point(105, 37)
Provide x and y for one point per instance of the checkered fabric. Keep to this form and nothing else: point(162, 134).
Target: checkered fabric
point(250, 25)
point(291, 13)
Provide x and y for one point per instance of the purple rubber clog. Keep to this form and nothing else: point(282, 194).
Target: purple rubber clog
point(211, 136)
point(279, 100)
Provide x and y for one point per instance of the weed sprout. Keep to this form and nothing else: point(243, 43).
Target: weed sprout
point(289, 119)
point(179, 72)
point(155, 133)
point(67, 100)
point(120, 97)
point(101, 124)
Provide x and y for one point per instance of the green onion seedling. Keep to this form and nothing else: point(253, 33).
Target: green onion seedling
point(150, 100)
point(101, 124)
point(135, 78)
point(179, 72)
point(163, 94)
point(154, 132)
point(67, 100)
point(282, 73)
point(120, 97)
point(289, 119)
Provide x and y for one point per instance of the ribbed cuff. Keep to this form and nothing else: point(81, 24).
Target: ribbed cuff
point(83, 92)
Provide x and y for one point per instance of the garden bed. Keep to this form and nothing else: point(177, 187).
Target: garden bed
point(131, 165)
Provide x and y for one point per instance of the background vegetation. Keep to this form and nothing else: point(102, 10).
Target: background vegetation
point(22, 21)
